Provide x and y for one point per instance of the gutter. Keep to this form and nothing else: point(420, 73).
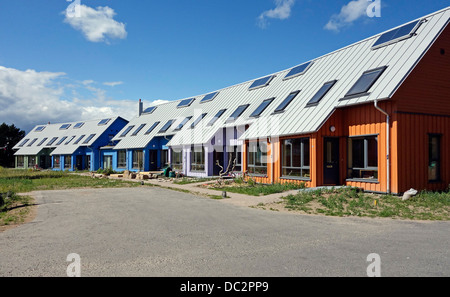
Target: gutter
point(388, 181)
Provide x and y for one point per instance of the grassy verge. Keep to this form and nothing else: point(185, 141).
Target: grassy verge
point(352, 202)
point(255, 189)
point(189, 180)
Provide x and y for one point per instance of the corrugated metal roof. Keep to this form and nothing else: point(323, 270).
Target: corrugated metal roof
point(345, 65)
point(53, 130)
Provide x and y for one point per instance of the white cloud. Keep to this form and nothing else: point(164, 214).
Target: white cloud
point(29, 98)
point(97, 24)
point(282, 11)
point(113, 83)
point(349, 13)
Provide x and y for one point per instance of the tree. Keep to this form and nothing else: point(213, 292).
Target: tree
point(10, 135)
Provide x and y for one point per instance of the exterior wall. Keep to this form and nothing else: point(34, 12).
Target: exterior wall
point(423, 108)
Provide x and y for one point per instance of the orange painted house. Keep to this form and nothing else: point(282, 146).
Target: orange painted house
point(374, 115)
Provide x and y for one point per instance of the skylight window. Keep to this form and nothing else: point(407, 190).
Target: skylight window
point(52, 141)
point(79, 139)
point(198, 120)
point(216, 117)
point(23, 142)
point(261, 108)
point(70, 140)
point(65, 127)
point(321, 93)
point(185, 102)
point(365, 82)
point(61, 140)
point(181, 125)
point(32, 142)
point(286, 102)
point(138, 130)
point(209, 97)
point(42, 141)
point(78, 125)
point(396, 35)
point(166, 126)
point(39, 129)
point(237, 113)
point(89, 138)
point(103, 122)
point(298, 70)
point(152, 128)
point(149, 110)
point(127, 130)
point(262, 82)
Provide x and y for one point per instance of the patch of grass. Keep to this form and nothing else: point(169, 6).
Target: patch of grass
point(258, 189)
point(190, 180)
point(22, 181)
point(353, 202)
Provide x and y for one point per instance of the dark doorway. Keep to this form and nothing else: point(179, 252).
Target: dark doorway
point(331, 161)
point(79, 163)
point(217, 156)
point(153, 160)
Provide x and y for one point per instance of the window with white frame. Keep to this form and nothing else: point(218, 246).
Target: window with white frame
point(295, 158)
point(197, 158)
point(122, 159)
point(257, 157)
point(363, 157)
point(138, 159)
point(177, 159)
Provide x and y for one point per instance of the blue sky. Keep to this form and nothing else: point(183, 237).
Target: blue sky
point(63, 60)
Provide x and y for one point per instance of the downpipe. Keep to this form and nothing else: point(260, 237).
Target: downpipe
point(388, 175)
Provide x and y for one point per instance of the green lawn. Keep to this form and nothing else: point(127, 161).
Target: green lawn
point(353, 202)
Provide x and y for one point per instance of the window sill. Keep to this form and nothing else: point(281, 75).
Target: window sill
point(257, 175)
point(362, 180)
point(354, 96)
point(296, 178)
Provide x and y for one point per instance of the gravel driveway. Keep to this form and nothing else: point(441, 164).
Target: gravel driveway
point(157, 232)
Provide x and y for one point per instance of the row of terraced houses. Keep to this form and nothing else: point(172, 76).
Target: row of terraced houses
point(374, 114)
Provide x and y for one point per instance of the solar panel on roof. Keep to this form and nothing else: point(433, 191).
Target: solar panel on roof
point(261, 107)
point(321, 93)
point(209, 97)
point(396, 35)
point(149, 110)
point(298, 70)
point(185, 102)
point(262, 82)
